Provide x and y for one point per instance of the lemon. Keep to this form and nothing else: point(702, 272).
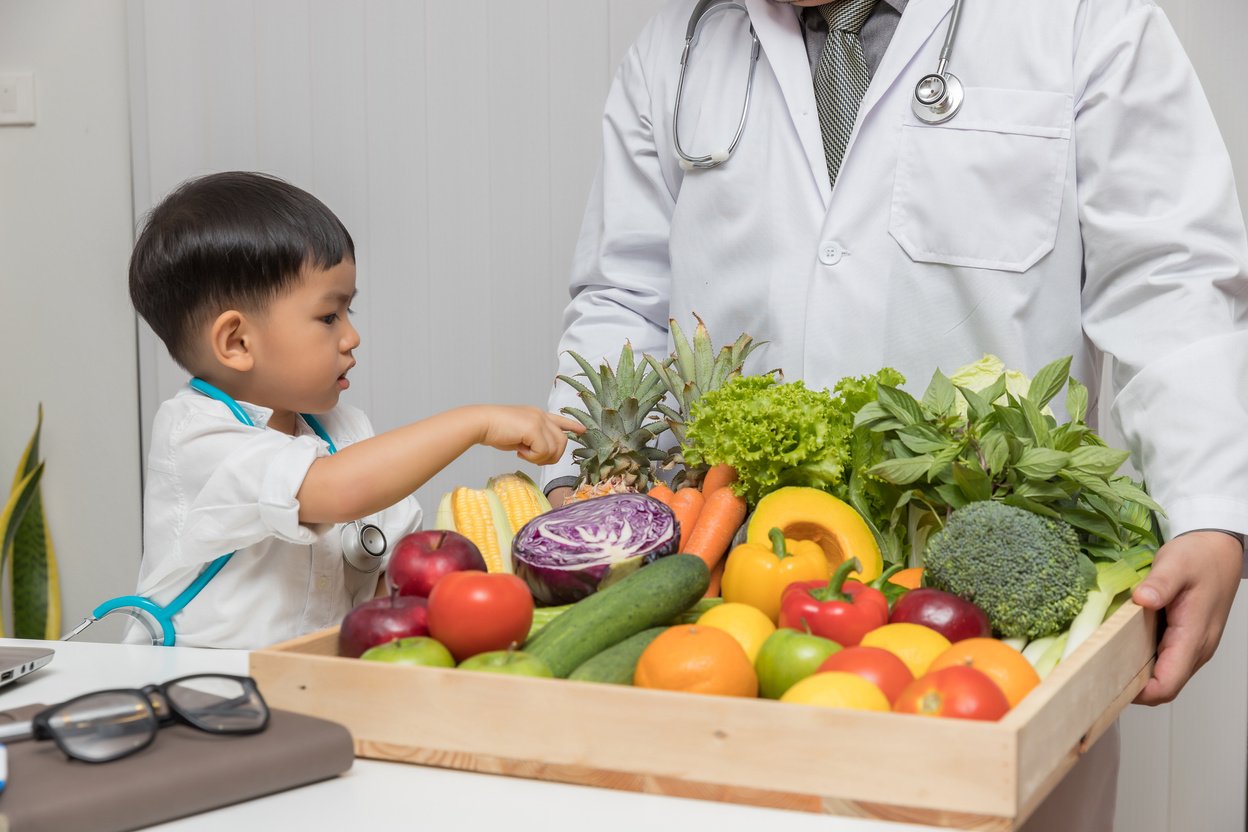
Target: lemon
point(835, 689)
point(750, 626)
point(914, 644)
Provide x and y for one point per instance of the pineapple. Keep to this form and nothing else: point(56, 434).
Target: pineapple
point(692, 371)
point(617, 450)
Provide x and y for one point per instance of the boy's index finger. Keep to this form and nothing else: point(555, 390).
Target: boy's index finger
point(568, 424)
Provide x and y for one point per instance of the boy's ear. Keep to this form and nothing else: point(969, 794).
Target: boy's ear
point(231, 339)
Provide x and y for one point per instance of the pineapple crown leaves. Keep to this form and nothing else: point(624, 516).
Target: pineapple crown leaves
point(694, 369)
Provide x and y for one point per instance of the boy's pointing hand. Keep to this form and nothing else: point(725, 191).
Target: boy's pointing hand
point(535, 435)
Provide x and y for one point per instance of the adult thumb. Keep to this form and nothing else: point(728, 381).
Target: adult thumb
point(1158, 589)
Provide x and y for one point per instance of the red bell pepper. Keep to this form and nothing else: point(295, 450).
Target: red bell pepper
point(831, 609)
point(879, 592)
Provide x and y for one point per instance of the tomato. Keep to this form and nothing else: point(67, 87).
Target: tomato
point(960, 692)
point(876, 665)
point(475, 612)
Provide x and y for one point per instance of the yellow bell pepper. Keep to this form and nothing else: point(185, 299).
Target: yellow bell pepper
point(756, 575)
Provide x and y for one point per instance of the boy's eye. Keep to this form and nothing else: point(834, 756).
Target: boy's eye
point(330, 318)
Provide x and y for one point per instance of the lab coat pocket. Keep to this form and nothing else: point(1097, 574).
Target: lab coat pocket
point(985, 189)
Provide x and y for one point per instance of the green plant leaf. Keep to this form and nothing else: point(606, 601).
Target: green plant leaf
point(1049, 381)
point(977, 405)
point(1041, 463)
point(902, 471)
point(995, 390)
point(1076, 400)
point(1102, 462)
point(996, 450)
point(1037, 425)
point(901, 405)
point(940, 398)
point(973, 481)
point(923, 438)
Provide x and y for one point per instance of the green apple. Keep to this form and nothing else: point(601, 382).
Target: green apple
point(420, 650)
point(787, 657)
point(515, 662)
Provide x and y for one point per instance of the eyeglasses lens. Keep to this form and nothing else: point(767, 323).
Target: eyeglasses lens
point(104, 726)
point(220, 704)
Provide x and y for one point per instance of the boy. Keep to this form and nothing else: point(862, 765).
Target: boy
point(248, 281)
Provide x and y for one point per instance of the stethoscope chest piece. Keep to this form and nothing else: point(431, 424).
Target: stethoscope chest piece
point(363, 545)
point(937, 98)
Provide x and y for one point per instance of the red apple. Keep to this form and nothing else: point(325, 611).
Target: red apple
point(951, 616)
point(421, 559)
point(380, 620)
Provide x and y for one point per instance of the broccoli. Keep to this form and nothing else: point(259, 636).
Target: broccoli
point(1025, 570)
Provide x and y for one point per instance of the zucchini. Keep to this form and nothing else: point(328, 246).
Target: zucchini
point(615, 665)
point(649, 597)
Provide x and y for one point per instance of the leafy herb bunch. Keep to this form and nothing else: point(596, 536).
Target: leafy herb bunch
point(932, 459)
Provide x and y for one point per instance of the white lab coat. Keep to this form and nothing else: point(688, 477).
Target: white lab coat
point(1081, 202)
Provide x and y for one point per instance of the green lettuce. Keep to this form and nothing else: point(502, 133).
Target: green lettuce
point(778, 434)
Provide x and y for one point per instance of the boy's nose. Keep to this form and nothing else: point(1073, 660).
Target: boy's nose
point(351, 339)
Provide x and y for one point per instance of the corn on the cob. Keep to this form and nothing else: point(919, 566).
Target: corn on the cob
point(522, 500)
point(478, 515)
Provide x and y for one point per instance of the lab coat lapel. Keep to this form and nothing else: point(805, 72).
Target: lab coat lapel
point(781, 37)
point(921, 20)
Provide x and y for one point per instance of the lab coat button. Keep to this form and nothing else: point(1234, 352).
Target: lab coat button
point(830, 252)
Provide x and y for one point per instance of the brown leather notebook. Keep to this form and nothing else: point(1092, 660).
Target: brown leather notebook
point(183, 772)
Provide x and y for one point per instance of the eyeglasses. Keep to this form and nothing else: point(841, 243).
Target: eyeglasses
point(110, 724)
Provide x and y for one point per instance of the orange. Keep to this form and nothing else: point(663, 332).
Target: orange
point(911, 578)
point(837, 689)
point(696, 659)
point(999, 661)
point(914, 644)
point(750, 626)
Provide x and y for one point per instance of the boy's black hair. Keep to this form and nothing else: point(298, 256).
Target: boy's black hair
point(227, 241)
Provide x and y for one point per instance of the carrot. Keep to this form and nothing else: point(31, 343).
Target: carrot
point(719, 476)
point(687, 505)
point(717, 576)
point(661, 492)
point(721, 517)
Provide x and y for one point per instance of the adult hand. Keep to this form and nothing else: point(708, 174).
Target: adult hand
point(1194, 577)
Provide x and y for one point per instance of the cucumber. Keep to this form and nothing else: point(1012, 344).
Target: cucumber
point(544, 615)
point(615, 665)
point(649, 597)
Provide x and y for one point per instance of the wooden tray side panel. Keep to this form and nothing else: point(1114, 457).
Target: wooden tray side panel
point(842, 759)
point(1080, 701)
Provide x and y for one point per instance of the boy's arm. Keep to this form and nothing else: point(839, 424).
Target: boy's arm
point(368, 476)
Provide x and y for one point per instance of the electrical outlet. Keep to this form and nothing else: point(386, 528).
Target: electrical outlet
point(17, 98)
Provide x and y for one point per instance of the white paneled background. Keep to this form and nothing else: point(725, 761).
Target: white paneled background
point(457, 141)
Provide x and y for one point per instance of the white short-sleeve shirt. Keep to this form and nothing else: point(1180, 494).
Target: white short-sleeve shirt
point(215, 485)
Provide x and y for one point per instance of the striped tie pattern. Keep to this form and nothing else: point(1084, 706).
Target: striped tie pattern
point(841, 79)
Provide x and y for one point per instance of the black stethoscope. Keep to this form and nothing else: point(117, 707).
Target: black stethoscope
point(363, 546)
point(937, 97)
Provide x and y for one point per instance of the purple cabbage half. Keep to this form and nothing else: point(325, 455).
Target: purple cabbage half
point(571, 552)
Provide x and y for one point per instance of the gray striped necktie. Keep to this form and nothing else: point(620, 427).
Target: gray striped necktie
point(841, 79)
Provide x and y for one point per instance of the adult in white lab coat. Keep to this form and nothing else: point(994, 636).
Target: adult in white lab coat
point(1081, 202)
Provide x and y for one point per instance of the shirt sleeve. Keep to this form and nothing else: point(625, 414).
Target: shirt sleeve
point(1166, 264)
point(621, 271)
point(239, 484)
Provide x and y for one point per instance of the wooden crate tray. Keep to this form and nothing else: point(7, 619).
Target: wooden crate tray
point(942, 772)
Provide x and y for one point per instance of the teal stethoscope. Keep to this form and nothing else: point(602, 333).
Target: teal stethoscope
point(363, 546)
point(937, 96)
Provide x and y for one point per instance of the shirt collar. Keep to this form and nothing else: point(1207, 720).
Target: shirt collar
point(898, 5)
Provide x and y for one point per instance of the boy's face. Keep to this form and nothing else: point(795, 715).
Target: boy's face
point(304, 342)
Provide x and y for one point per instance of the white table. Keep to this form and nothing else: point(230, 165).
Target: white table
point(375, 793)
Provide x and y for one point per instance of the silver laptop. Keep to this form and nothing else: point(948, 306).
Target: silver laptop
point(16, 662)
